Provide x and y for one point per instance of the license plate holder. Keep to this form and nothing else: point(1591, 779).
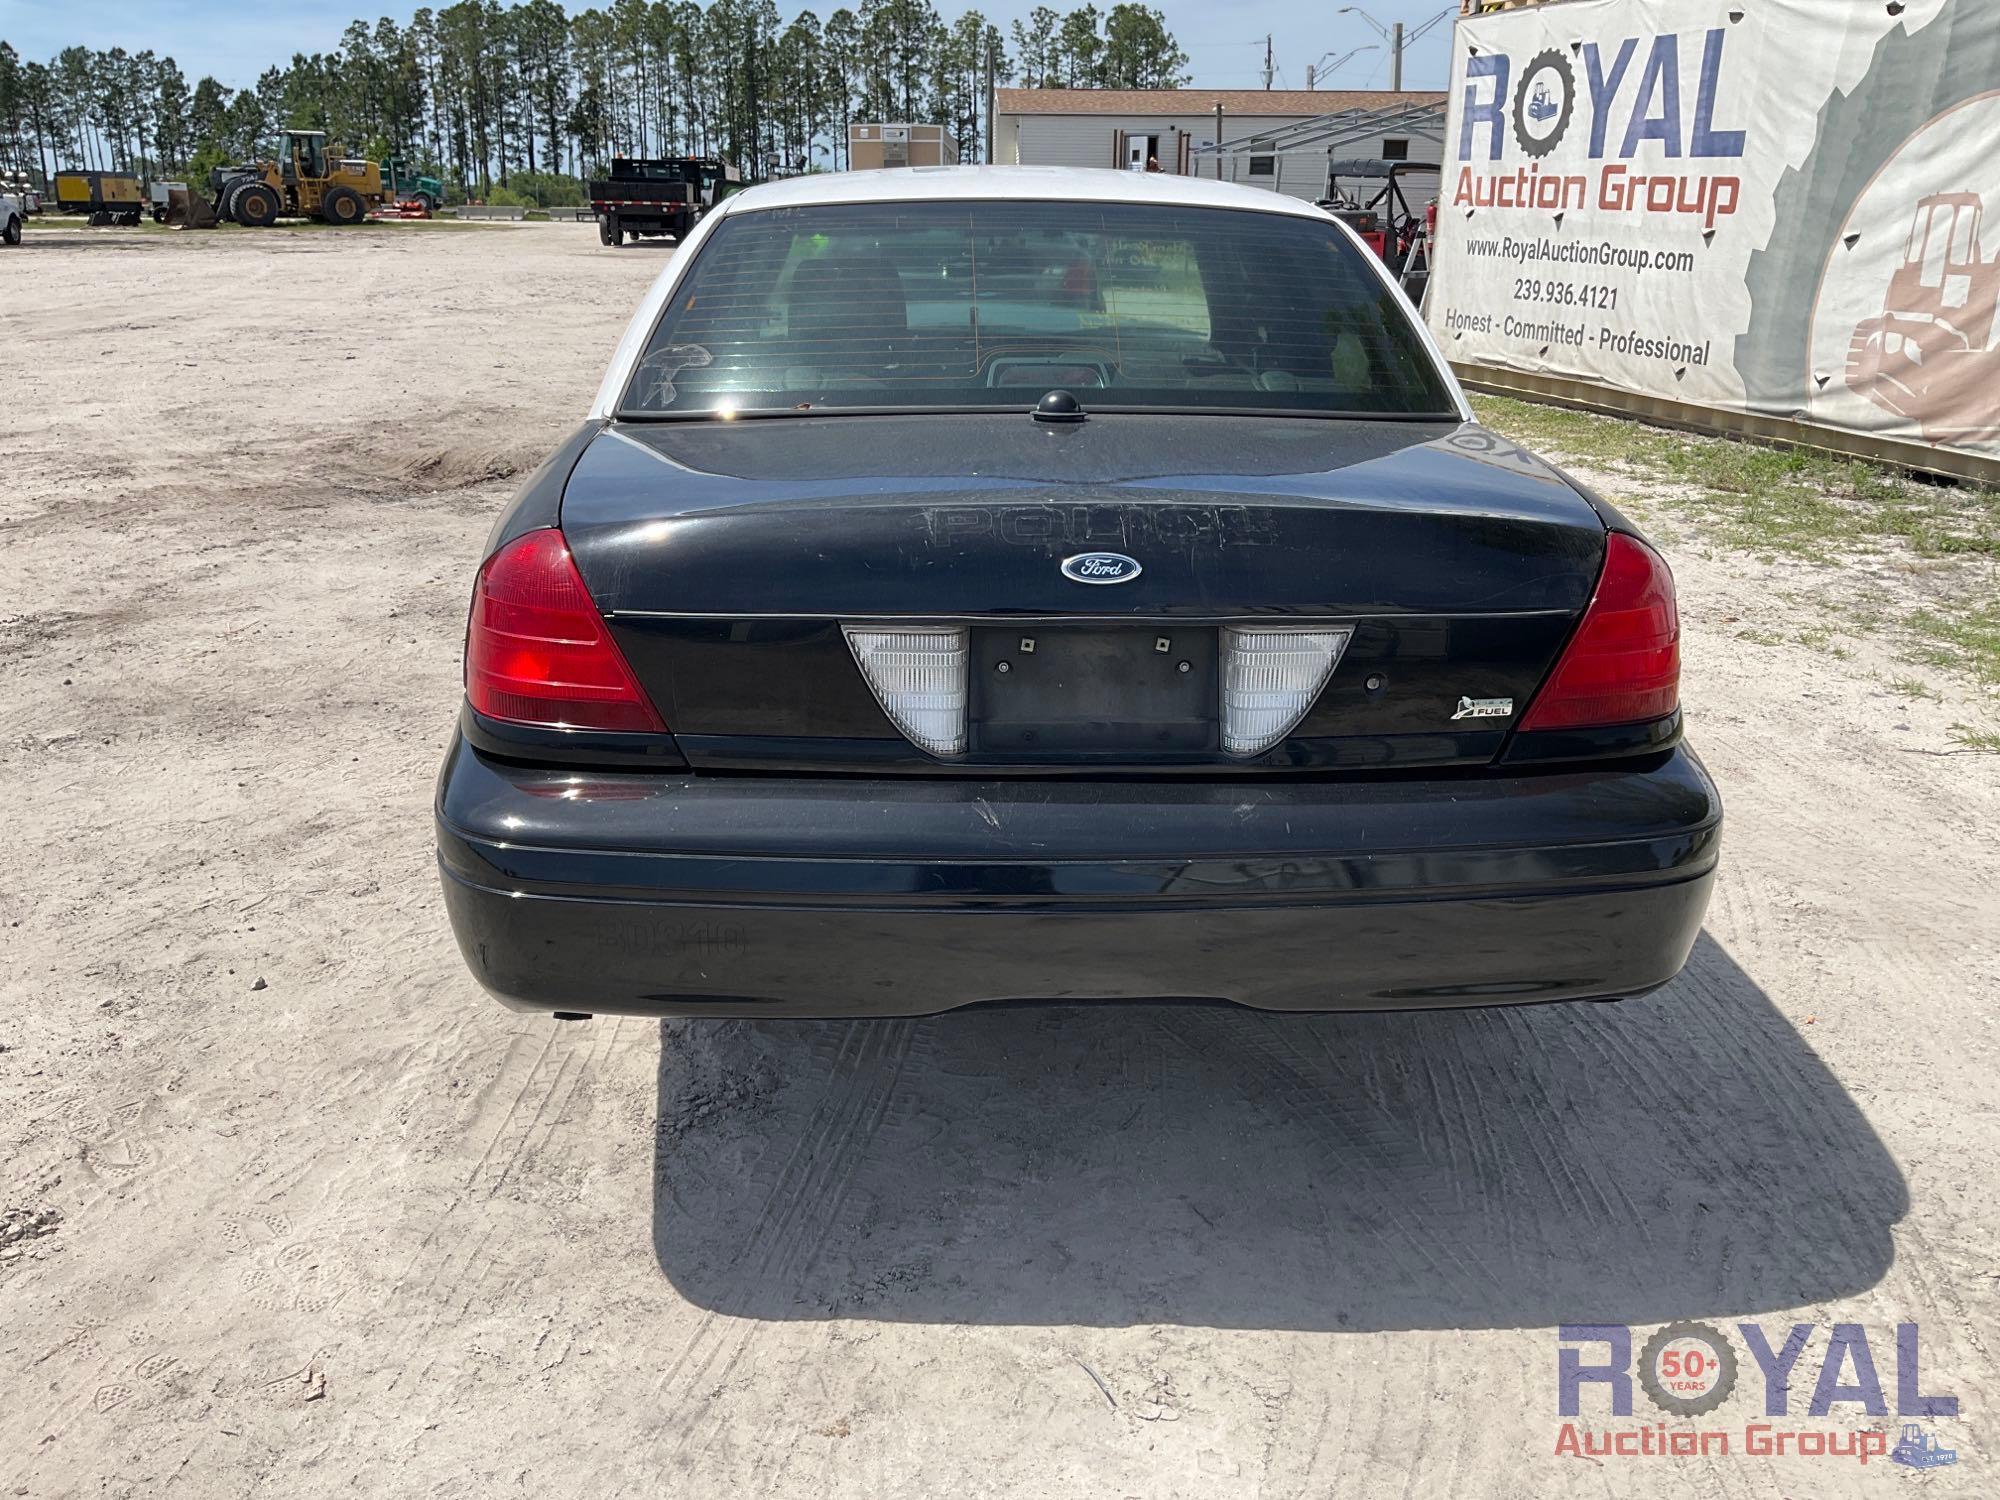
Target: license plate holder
point(1061, 690)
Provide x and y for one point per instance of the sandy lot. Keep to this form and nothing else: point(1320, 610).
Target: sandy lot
point(290, 1207)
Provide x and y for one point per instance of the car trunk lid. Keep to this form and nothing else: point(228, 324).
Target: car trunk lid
point(734, 559)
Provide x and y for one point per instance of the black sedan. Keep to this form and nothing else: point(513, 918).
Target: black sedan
point(996, 584)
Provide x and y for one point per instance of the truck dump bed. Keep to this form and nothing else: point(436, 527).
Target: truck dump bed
point(659, 196)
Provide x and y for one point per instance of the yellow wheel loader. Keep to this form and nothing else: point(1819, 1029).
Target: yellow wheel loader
point(303, 180)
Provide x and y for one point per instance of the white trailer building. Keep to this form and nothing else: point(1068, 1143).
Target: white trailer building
point(1135, 127)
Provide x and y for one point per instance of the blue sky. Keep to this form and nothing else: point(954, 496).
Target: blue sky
point(236, 40)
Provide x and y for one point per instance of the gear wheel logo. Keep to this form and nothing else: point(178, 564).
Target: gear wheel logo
point(1544, 102)
point(1688, 1369)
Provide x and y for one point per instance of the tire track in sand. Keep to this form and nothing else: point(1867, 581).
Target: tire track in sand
point(803, 1195)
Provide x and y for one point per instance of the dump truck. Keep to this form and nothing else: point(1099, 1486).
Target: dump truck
point(302, 179)
point(663, 196)
point(106, 197)
point(404, 184)
point(1931, 357)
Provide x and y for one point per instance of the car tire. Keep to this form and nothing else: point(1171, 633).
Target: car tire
point(608, 231)
point(12, 233)
point(342, 205)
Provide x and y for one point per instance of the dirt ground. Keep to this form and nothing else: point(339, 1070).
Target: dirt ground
point(290, 1207)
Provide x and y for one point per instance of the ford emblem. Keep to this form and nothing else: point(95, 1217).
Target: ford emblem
point(1101, 567)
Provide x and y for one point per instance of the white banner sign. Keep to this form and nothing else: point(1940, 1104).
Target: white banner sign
point(1771, 206)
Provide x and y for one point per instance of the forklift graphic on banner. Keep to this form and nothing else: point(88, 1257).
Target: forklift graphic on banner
point(1931, 356)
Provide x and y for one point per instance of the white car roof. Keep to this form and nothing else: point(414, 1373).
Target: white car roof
point(1060, 184)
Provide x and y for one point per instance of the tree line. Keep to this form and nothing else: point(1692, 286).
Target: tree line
point(527, 98)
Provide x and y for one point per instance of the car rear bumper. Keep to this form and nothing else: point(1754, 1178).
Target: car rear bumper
point(680, 894)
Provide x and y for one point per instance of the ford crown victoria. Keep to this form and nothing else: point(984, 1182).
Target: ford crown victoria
point(990, 584)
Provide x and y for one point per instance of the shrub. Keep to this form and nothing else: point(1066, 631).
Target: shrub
point(547, 189)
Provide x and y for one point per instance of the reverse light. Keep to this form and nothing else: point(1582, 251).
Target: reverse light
point(918, 674)
point(1270, 677)
point(536, 650)
point(1623, 665)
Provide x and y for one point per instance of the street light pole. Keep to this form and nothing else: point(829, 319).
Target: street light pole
point(1395, 37)
point(1314, 72)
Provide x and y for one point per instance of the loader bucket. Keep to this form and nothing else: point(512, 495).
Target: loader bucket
point(187, 209)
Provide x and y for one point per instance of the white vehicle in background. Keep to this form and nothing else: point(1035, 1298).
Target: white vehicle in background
point(159, 198)
point(11, 218)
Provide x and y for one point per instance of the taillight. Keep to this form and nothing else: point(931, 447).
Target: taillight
point(1623, 665)
point(536, 650)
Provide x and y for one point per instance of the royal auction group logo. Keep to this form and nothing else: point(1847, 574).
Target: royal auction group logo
point(1688, 1370)
point(1544, 101)
point(1656, 98)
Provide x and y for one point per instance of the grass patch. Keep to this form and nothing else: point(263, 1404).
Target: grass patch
point(1768, 500)
point(1966, 737)
point(1911, 687)
point(1969, 641)
point(1775, 502)
point(1821, 638)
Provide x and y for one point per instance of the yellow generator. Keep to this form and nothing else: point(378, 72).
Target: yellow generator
point(304, 180)
point(108, 197)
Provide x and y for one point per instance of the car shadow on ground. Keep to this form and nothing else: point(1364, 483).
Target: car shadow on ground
point(1682, 1155)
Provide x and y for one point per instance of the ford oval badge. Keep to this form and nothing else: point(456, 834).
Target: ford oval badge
point(1101, 567)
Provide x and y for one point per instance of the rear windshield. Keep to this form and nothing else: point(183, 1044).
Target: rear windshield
point(991, 304)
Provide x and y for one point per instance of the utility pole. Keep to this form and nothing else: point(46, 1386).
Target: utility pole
point(992, 98)
point(1309, 77)
point(1268, 67)
point(1218, 140)
point(1396, 37)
